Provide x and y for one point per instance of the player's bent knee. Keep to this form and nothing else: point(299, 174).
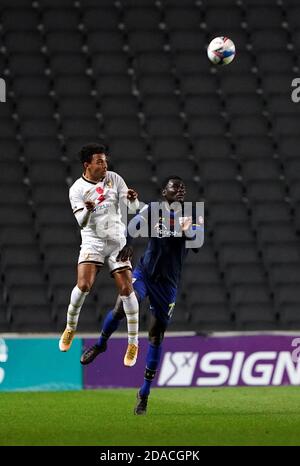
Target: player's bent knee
point(156, 340)
point(85, 287)
point(126, 290)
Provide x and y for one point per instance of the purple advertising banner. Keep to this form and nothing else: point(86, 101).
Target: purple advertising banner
point(198, 361)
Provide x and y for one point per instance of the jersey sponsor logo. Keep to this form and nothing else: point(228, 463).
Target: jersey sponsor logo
point(101, 197)
point(217, 368)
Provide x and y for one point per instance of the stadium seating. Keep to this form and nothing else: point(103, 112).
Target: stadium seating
point(135, 74)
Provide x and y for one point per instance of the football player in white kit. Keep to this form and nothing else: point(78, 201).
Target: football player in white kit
point(96, 200)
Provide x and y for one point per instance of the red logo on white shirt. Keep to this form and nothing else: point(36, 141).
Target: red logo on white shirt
point(101, 197)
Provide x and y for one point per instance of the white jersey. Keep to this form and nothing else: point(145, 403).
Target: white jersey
point(108, 194)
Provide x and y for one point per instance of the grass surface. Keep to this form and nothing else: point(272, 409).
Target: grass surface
point(191, 416)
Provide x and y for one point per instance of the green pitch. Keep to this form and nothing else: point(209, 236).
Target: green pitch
point(192, 416)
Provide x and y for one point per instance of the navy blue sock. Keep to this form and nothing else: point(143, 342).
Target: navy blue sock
point(110, 325)
point(152, 361)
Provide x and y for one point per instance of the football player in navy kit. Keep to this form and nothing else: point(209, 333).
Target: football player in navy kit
point(157, 276)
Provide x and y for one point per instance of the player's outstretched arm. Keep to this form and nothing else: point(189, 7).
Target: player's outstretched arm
point(83, 215)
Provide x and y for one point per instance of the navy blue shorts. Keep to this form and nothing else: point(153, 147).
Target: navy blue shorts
point(162, 296)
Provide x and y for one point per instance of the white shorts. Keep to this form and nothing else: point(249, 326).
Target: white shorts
point(97, 252)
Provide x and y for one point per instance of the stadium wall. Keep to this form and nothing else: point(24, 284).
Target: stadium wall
point(224, 359)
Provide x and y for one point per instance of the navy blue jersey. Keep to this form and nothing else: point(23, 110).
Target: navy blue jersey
point(165, 253)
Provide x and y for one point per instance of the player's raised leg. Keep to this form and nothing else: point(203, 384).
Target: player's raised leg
point(123, 279)
point(86, 274)
point(110, 325)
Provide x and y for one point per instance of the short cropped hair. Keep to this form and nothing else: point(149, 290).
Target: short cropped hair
point(169, 178)
point(86, 152)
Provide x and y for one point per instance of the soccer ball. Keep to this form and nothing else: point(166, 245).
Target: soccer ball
point(221, 51)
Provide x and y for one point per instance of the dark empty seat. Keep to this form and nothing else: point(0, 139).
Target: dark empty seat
point(220, 191)
point(165, 126)
point(289, 146)
point(24, 275)
point(265, 212)
point(245, 253)
point(269, 40)
point(55, 214)
point(115, 85)
point(289, 315)
point(210, 317)
point(12, 194)
point(36, 108)
point(222, 170)
point(266, 191)
point(27, 64)
point(39, 128)
point(281, 253)
point(276, 233)
point(124, 127)
point(211, 147)
point(249, 125)
point(19, 19)
point(285, 273)
point(224, 18)
point(197, 85)
point(230, 212)
point(18, 42)
point(250, 147)
point(11, 235)
point(250, 294)
point(235, 233)
point(37, 318)
point(208, 126)
point(141, 18)
point(31, 86)
point(287, 294)
point(107, 17)
point(245, 274)
point(17, 255)
point(61, 255)
point(72, 86)
point(256, 17)
point(152, 63)
point(122, 106)
point(161, 106)
point(68, 63)
point(42, 149)
point(146, 41)
point(62, 19)
point(63, 42)
point(9, 215)
point(255, 316)
point(99, 42)
point(47, 172)
point(56, 234)
point(182, 18)
point(190, 41)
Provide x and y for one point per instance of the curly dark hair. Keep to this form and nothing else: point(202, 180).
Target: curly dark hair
point(86, 152)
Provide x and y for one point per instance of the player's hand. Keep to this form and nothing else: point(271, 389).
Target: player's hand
point(125, 254)
point(90, 205)
point(185, 223)
point(132, 195)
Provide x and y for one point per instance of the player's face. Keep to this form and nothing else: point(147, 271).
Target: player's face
point(174, 191)
point(97, 168)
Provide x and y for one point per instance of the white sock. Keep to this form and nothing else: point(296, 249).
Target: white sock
point(131, 309)
point(77, 300)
